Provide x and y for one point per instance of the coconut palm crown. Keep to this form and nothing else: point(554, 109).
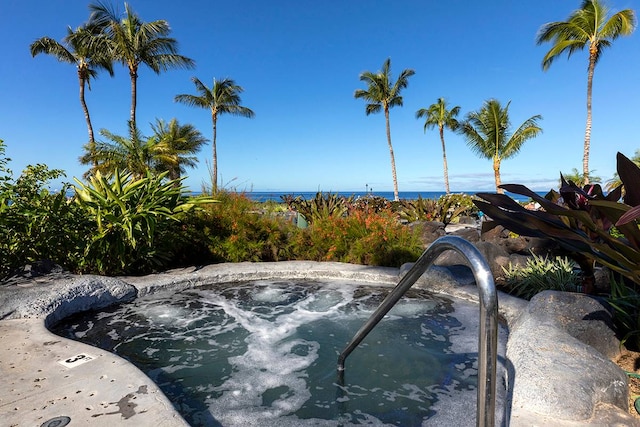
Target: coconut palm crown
point(487, 133)
point(134, 42)
point(221, 98)
point(592, 26)
point(381, 95)
point(85, 48)
point(175, 147)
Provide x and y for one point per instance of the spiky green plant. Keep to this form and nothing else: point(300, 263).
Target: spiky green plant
point(625, 302)
point(540, 274)
point(322, 206)
point(447, 209)
point(126, 213)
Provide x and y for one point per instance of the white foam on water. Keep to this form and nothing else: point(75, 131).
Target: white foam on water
point(174, 368)
point(410, 308)
point(168, 315)
point(81, 334)
point(268, 383)
point(274, 360)
point(270, 295)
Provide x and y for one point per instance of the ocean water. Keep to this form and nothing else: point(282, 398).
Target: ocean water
point(264, 196)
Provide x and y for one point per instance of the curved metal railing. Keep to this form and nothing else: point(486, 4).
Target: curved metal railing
point(488, 329)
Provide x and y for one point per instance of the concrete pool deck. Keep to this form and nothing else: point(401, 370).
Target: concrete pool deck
point(558, 366)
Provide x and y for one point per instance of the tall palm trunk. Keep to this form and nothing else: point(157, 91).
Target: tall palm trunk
point(133, 73)
point(587, 132)
point(444, 162)
point(496, 174)
point(92, 141)
point(396, 196)
point(214, 166)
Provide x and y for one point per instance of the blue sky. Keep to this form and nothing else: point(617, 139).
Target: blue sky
point(299, 62)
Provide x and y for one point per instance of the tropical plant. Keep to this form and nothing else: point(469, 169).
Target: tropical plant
point(593, 27)
point(625, 302)
point(222, 98)
point(371, 204)
point(134, 42)
point(127, 213)
point(5, 172)
point(615, 181)
point(438, 115)
point(236, 231)
point(418, 210)
point(580, 179)
point(135, 154)
point(88, 50)
point(35, 223)
point(381, 95)
point(175, 146)
point(359, 238)
point(487, 133)
point(320, 207)
point(580, 220)
point(447, 209)
point(541, 273)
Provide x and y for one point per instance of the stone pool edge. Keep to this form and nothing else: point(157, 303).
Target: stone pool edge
point(555, 376)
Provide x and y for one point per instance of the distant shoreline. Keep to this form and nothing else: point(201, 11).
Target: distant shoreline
point(275, 196)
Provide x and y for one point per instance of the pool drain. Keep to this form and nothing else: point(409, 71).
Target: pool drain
point(57, 422)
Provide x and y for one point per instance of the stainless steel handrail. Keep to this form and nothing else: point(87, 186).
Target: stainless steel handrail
point(488, 329)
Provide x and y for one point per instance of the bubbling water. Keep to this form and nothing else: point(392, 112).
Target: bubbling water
point(264, 353)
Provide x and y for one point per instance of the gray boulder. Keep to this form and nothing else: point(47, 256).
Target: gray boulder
point(555, 347)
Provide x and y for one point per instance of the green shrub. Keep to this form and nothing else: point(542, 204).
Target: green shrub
point(371, 204)
point(360, 238)
point(540, 274)
point(36, 224)
point(238, 231)
point(625, 302)
point(126, 214)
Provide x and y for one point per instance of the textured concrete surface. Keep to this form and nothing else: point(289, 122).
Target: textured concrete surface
point(555, 375)
point(94, 388)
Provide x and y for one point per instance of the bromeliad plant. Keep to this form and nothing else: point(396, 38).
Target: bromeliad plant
point(447, 209)
point(580, 220)
point(322, 206)
point(127, 214)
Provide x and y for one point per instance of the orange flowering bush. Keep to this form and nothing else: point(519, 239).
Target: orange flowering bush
point(237, 231)
point(359, 238)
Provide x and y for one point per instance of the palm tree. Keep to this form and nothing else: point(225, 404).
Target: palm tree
point(487, 133)
point(592, 27)
point(438, 115)
point(88, 51)
point(381, 94)
point(578, 178)
point(134, 154)
point(134, 42)
point(175, 146)
point(222, 98)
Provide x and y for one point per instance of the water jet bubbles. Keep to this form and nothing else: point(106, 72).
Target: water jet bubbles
point(271, 295)
point(264, 353)
point(412, 307)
